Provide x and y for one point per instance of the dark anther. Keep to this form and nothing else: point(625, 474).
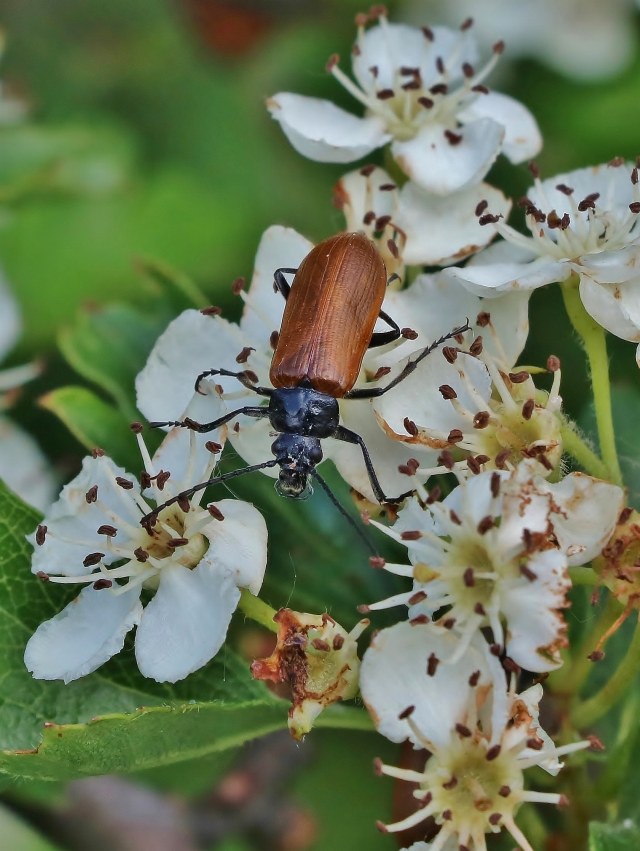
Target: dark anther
point(393, 248)
point(453, 138)
point(125, 484)
point(411, 535)
point(474, 679)
point(109, 531)
point(215, 512)
point(445, 459)
point(467, 578)
point(473, 465)
point(321, 644)
point(489, 219)
point(385, 94)
point(528, 573)
point(427, 32)
point(237, 286)
point(495, 484)
point(553, 363)
point(498, 47)
point(447, 391)
point(136, 427)
point(41, 534)
point(426, 102)
point(566, 190)
point(273, 339)
point(96, 452)
point(162, 478)
point(183, 503)
point(92, 494)
point(213, 447)
point(518, 377)
point(338, 642)
point(367, 170)
point(99, 584)
point(92, 559)
point(381, 372)
point(481, 419)
point(450, 354)
point(528, 408)
point(463, 731)
point(410, 427)
point(174, 543)
point(466, 24)
point(211, 310)
point(243, 356)
point(44, 577)
point(387, 187)
point(476, 347)
point(480, 89)
point(377, 562)
point(455, 436)
point(141, 554)
point(467, 70)
point(332, 61)
point(481, 206)
point(432, 665)
point(589, 202)
point(439, 89)
point(409, 333)
point(145, 480)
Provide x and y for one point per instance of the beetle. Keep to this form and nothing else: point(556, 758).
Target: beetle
point(330, 312)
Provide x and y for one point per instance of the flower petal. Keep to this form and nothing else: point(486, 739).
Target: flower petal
point(444, 230)
point(419, 399)
point(615, 307)
point(185, 624)
point(585, 515)
point(389, 47)
point(238, 544)
point(24, 467)
point(73, 522)
point(533, 611)
point(392, 678)
point(442, 166)
point(10, 324)
point(433, 304)
point(87, 632)
point(321, 131)
point(279, 247)
point(492, 279)
point(522, 139)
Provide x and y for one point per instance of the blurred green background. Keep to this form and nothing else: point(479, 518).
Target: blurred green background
point(147, 137)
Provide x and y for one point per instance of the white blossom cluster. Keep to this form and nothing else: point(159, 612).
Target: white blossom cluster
point(488, 567)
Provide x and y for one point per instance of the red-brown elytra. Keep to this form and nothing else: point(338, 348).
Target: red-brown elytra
point(328, 325)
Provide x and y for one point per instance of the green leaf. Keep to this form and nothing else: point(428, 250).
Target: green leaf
point(18, 836)
point(94, 423)
point(614, 837)
point(146, 738)
point(109, 346)
point(235, 707)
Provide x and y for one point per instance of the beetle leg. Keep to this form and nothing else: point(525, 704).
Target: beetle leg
point(280, 282)
point(342, 433)
point(202, 428)
point(381, 338)
point(373, 392)
point(243, 377)
point(149, 519)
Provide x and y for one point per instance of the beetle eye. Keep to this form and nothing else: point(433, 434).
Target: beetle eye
point(315, 454)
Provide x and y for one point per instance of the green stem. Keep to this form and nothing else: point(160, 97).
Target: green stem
point(257, 610)
point(579, 449)
point(569, 680)
point(587, 713)
point(595, 344)
point(338, 717)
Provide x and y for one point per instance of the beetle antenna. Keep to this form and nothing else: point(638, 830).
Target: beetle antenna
point(334, 499)
point(150, 518)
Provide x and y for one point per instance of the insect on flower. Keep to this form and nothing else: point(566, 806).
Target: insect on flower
point(328, 325)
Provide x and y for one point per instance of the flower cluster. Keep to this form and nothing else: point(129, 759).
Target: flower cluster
point(195, 559)
point(492, 546)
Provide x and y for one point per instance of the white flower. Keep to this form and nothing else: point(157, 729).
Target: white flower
point(410, 225)
point(481, 737)
point(583, 222)
point(423, 94)
point(465, 409)
point(495, 553)
point(22, 464)
point(585, 39)
point(194, 558)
